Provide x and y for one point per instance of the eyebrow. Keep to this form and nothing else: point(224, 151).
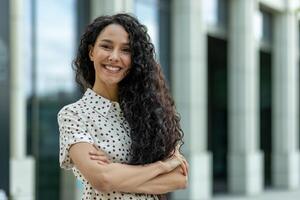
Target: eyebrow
point(109, 41)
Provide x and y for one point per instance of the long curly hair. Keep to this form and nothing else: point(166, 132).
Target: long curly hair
point(143, 94)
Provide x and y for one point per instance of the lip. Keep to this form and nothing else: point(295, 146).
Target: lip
point(112, 68)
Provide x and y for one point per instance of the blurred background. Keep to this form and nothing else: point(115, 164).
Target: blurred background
point(232, 67)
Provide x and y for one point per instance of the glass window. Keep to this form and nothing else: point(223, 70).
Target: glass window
point(210, 11)
point(216, 12)
point(258, 24)
point(156, 16)
point(147, 12)
point(55, 46)
point(267, 26)
point(51, 85)
point(263, 27)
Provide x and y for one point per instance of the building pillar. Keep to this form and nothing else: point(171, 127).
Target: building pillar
point(22, 167)
point(189, 88)
point(245, 170)
point(285, 118)
point(108, 7)
point(4, 96)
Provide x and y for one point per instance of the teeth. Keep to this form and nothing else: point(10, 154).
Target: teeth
point(111, 68)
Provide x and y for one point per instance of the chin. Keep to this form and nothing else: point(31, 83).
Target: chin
point(112, 81)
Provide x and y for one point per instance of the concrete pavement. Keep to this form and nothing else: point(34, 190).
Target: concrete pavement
point(267, 195)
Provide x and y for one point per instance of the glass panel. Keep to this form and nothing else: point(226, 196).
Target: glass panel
point(216, 12)
point(265, 113)
point(164, 36)
point(147, 13)
point(156, 16)
point(258, 25)
point(210, 11)
point(223, 12)
point(51, 85)
point(55, 46)
point(263, 27)
point(267, 26)
point(218, 111)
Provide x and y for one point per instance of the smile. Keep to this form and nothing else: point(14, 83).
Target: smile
point(112, 69)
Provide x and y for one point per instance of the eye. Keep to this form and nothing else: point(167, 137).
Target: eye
point(126, 50)
point(105, 46)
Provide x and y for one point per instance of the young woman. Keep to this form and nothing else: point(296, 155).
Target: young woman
point(122, 137)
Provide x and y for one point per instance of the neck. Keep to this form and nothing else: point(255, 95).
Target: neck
point(108, 91)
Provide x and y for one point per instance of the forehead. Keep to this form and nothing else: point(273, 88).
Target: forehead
point(115, 33)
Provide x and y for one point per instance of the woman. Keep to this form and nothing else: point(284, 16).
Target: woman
point(121, 138)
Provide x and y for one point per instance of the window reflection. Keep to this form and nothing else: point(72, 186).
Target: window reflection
point(51, 85)
point(156, 16)
point(55, 46)
point(210, 11)
point(147, 13)
point(263, 27)
point(258, 23)
point(216, 12)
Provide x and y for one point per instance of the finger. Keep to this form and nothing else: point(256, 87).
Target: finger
point(183, 168)
point(101, 163)
point(100, 158)
point(186, 166)
point(95, 146)
point(182, 165)
point(98, 153)
point(174, 162)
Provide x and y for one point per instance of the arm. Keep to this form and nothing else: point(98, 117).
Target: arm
point(116, 176)
point(161, 184)
point(164, 183)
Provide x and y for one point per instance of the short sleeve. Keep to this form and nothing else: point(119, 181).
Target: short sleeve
point(72, 130)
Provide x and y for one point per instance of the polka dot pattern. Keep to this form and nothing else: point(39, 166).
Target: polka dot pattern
point(96, 120)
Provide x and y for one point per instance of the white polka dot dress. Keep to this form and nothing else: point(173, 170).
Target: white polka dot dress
point(96, 120)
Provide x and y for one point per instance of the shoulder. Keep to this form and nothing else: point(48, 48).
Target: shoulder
point(72, 109)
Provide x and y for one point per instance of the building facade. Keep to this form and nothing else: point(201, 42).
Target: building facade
point(233, 70)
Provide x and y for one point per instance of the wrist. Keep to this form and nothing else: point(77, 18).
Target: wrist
point(161, 165)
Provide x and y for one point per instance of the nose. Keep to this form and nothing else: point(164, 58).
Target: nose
point(114, 56)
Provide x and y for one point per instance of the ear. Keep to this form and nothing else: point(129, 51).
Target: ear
point(91, 52)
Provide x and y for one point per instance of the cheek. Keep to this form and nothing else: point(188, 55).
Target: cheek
point(127, 61)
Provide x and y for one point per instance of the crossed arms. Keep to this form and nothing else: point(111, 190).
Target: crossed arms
point(156, 178)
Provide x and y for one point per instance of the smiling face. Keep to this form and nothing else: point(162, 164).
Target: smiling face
point(111, 55)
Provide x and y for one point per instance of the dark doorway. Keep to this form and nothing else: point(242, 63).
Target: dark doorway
point(217, 111)
point(266, 113)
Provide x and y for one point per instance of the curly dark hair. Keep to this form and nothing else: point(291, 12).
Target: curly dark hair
point(143, 94)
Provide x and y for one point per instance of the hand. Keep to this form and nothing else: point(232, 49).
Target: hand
point(174, 161)
point(99, 156)
point(170, 164)
point(184, 164)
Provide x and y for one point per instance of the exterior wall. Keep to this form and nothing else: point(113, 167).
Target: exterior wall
point(245, 169)
point(4, 96)
point(245, 158)
point(189, 85)
point(285, 99)
point(190, 93)
point(22, 167)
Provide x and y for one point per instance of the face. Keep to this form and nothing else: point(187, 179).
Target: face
point(111, 55)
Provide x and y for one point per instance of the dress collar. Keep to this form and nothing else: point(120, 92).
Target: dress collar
point(97, 102)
